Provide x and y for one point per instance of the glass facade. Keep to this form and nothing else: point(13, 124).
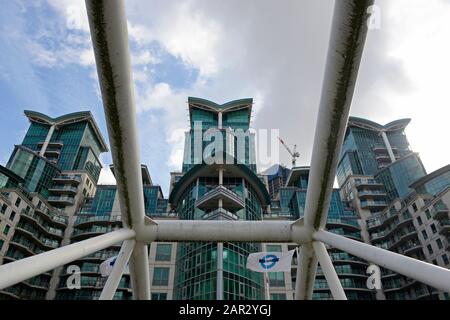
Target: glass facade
point(398, 177)
point(36, 171)
point(341, 220)
point(196, 266)
point(437, 182)
point(364, 151)
point(238, 143)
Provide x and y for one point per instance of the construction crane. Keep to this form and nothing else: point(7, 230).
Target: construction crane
point(293, 152)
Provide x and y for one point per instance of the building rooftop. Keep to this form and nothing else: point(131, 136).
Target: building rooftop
point(371, 125)
point(67, 119)
point(208, 105)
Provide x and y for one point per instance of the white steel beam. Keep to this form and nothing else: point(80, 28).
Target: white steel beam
point(347, 38)
point(139, 272)
point(221, 231)
point(109, 34)
point(116, 273)
point(328, 270)
point(306, 272)
point(427, 273)
point(108, 25)
point(23, 269)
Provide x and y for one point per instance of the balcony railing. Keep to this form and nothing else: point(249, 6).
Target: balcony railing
point(39, 221)
point(64, 200)
point(92, 219)
point(63, 189)
point(373, 203)
point(68, 178)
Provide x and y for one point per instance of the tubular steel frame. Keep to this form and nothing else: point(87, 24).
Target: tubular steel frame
point(109, 34)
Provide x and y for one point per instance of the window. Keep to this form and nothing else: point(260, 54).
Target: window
point(18, 201)
point(12, 215)
point(163, 252)
point(428, 214)
point(159, 296)
point(273, 248)
point(445, 259)
point(439, 243)
point(430, 249)
point(1, 243)
point(3, 209)
point(433, 228)
point(6, 230)
point(414, 207)
point(160, 276)
point(424, 234)
point(419, 221)
point(276, 279)
point(278, 296)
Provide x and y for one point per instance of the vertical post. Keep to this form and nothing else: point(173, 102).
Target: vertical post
point(328, 270)
point(119, 267)
point(219, 290)
point(388, 146)
point(266, 278)
point(220, 120)
point(47, 140)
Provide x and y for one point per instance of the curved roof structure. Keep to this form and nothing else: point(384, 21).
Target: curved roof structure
point(66, 119)
point(208, 105)
point(370, 125)
point(205, 170)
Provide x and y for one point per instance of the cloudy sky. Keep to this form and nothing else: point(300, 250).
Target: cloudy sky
point(272, 51)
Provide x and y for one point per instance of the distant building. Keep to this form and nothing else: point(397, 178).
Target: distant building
point(49, 198)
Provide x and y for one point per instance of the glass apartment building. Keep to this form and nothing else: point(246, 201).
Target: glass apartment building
point(49, 198)
point(387, 186)
point(342, 220)
point(44, 183)
point(224, 190)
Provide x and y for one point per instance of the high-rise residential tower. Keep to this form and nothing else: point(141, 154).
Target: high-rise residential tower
point(225, 188)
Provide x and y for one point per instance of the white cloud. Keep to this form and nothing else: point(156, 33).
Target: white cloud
point(74, 12)
point(276, 54)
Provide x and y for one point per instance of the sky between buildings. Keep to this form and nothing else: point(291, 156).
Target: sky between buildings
point(272, 51)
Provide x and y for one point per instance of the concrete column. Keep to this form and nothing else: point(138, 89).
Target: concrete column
point(388, 146)
point(220, 120)
point(220, 176)
point(47, 140)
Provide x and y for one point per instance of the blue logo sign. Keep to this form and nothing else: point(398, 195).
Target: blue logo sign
point(268, 261)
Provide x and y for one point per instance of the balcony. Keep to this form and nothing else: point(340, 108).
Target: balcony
point(229, 199)
point(373, 204)
point(351, 223)
point(68, 178)
point(403, 236)
point(61, 189)
point(444, 226)
point(52, 143)
point(101, 255)
point(52, 216)
point(86, 220)
point(343, 257)
point(47, 244)
point(63, 200)
point(41, 224)
point(368, 183)
point(439, 211)
point(382, 218)
point(371, 193)
point(220, 214)
point(79, 234)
